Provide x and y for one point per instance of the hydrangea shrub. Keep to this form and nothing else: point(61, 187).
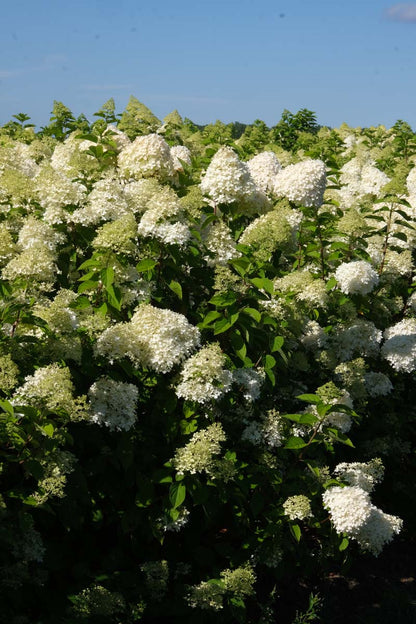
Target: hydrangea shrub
point(206, 362)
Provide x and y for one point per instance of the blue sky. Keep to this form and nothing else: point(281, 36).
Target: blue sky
point(234, 60)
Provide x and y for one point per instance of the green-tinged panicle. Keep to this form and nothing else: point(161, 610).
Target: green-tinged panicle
point(8, 373)
point(137, 119)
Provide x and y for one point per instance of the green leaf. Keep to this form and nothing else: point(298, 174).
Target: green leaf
point(48, 429)
point(211, 316)
point(295, 443)
point(344, 544)
point(107, 277)
point(114, 297)
point(310, 398)
point(223, 300)
point(277, 343)
point(331, 283)
point(253, 313)
point(7, 407)
point(338, 436)
point(302, 419)
point(89, 285)
point(296, 532)
point(400, 235)
point(269, 362)
point(262, 283)
point(176, 288)
point(177, 494)
point(238, 345)
point(225, 323)
point(145, 265)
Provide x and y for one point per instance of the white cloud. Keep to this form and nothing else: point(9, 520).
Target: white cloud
point(402, 12)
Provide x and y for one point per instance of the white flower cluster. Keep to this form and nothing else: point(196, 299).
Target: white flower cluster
point(263, 169)
point(180, 153)
point(305, 286)
point(36, 233)
point(205, 596)
point(198, 454)
point(203, 376)
point(56, 192)
point(358, 338)
point(360, 177)
point(273, 231)
point(227, 179)
point(138, 193)
point(60, 317)
point(313, 336)
point(163, 219)
point(113, 404)
point(250, 382)
point(167, 524)
point(399, 348)
point(64, 154)
point(303, 183)
point(411, 182)
point(119, 137)
point(297, 507)
point(353, 513)
point(364, 475)
point(154, 338)
point(51, 387)
point(238, 582)
point(332, 395)
point(219, 243)
point(270, 430)
point(147, 157)
point(357, 277)
point(105, 202)
point(377, 384)
point(340, 420)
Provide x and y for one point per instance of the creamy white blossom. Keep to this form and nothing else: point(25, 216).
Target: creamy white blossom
point(263, 169)
point(220, 244)
point(227, 179)
point(113, 404)
point(204, 376)
point(399, 348)
point(360, 176)
point(377, 384)
point(363, 475)
point(199, 454)
point(350, 507)
point(356, 277)
point(105, 202)
point(297, 507)
point(353, 513)
point(147, 157)
point(155, 338)
point(250, 382)
point(36, 233)
point(357, 338)
point(164, 219)
point(180, 153)
point(378, 530)
point(303, 183)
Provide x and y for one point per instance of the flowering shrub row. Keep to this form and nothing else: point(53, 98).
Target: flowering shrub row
point(205, 362)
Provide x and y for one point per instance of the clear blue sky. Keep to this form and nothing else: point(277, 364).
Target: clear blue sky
point(234, 60)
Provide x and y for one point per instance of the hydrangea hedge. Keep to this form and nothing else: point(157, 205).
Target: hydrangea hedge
point(208, 336)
